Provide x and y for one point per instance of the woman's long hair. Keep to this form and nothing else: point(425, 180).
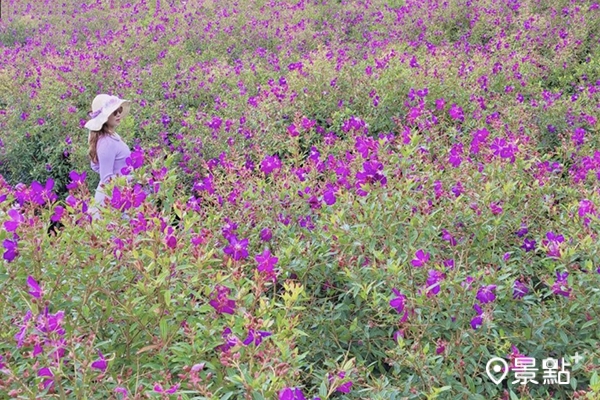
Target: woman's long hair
point(93, 142)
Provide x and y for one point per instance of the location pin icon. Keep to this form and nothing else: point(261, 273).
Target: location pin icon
point(494, 369)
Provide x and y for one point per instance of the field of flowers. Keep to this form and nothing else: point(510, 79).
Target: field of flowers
point(362, 199)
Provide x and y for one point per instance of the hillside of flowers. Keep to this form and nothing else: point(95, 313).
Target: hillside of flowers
point(331, 199)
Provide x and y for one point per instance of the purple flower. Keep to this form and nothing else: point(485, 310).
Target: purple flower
point(291, 394)
point(523, 231)
point(34, 287)
point(45, 372)
point(578, 136)
point(269, 164)
point(308, 123)
point(135, 159)
point(40, 194)
point(433, 282)
point(455, 156)
point(486, 294)
point(266, 234)
point(16, 219)
point(398, 302)
point(520, 290)
point(159, 389)
point(420, 258)
point(457, 189)
point(477, 321)
point(255, 337)
point(266, 263)
point(100, 363)
point(292, 130)
point(220, 302)
point(371, 173)
point(448, 237)
point(20, 336)
point(456, 113)
point(561, 285)
point(237, 249)
point(345, 387)
point(551, 236)
point(440, 104)
point(58, 213)
point(528, 244)
point(329, 196)
point(496, 208)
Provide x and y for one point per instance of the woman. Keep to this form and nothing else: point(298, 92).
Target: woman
point(106, 149)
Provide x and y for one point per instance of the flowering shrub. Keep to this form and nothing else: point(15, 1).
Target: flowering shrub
point(371, 208)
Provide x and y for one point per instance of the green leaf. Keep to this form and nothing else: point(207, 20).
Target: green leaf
point(164, 329)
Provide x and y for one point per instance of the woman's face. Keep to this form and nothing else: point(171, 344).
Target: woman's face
point(115, 118)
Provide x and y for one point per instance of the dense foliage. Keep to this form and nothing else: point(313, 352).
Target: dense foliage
point(334, 199)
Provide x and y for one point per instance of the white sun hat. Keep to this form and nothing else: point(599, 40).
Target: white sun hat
point(102, 107)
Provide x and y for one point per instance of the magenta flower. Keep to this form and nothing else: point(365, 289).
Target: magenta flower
point(269, 164)
point(440, 104)
point(308, 123)
point(371, 174)
point(58, 213)
point(121, 390)
point(345, 387)
point(448, 237)
point(528, 244)
point(496, 207)
point(220, 302)
point(16, 219)
point(1, 363)
point(578, 136)
point(455, 156)
point(420, 258)
point(486, 294)
point(20, 336)
point(398, 303)
point(561, 285)
point(553, 244)
point(230, 340)
point(47, 373)
point(266, 234)
point(433, 282)
point(76, 179)
point(255, 337)
point(292, 130)
point(520, 290)
point(291, 394)
point(237, 249)
point(456, 113)
point(440, 346)
point(477, 321)
point(159, 389)
point(171, 241)
point(329, 196)
point(135, 159)
point(34, 287)
point(266, 263)
point(100, 363)
point(40, 194)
